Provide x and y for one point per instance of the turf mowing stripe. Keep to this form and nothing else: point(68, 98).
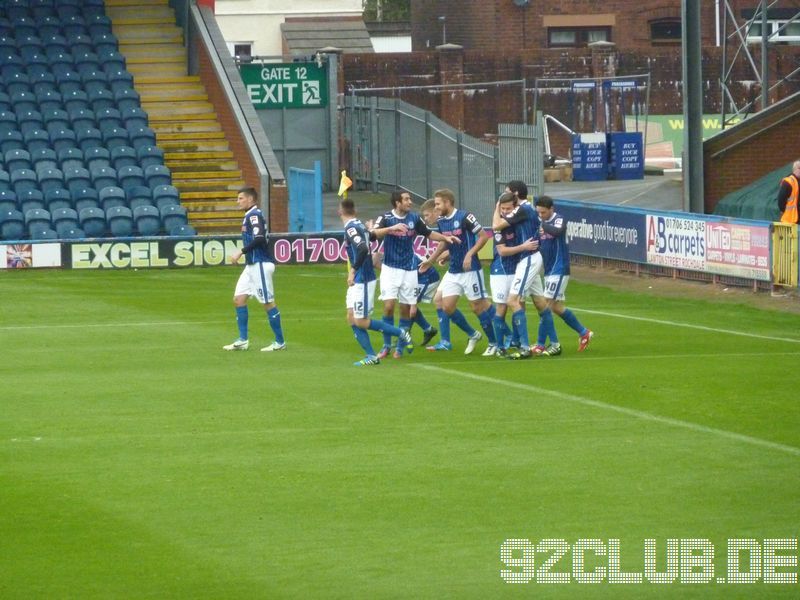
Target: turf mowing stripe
point(688, 326)
point(639, 414)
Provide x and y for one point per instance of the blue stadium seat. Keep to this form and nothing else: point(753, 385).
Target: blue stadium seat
point(127, 98)
point(75, 100)
point(120, 80)
point(130, 176)
point(112, 196)
point(81, 118)
point(17, 159)
point(18, 82)
point(5, 101)
point(55, 119)
point(17, 9)
point(22, 101)
point(29, 120)
point(30, 200)
point(89, 138)
point(100, 31)
point(139, 195)
point(29, 46)
point(75, 233)
point(173, 216)
point(8, 45)
point(43, 233)
point(10, 63)
point(123, 156)
point(164, 195)
point(49, 100)
point(133, 118)
point(70, 158)
point(85, 198)
point(62, 139)
point(86, 61)
point(49, 26)
point(103, 177)
point(44, 158)
point(55, 44)
point(147, 220)
point(100, 99)
point(120, 221)
point(41, 9)
point(57, 198)
point(36, 139)
point(23, 180)
point(64, 219)
point(23, 26)
point(111, 61)
point(5, 27)
point(156, 175)
point(114, 137)
point(12, 225)
point(93, 80)
point(77, 179)
point(97, 157)
point(50, 179)
point(108, 117)
point(10, 140)
point(8, 121)
point(8, 200)
point(38, 66)
point(74, 26)
point(68, 8)
point(37, 215)
point(5, 181)
point(150, 155)
point(41, 82)
point(93, 221)
point(69, 81)
point(142, 136)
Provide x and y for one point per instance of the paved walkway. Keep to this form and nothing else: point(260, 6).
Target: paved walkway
point(662, 192)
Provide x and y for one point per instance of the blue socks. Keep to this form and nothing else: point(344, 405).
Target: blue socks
point(362, 337)
point(274, 319)
point(571, 320)
point(405, 324)
point(547, 328)
point(444, 325)
point(486, 318)
point(420, 320)
point(461, 322)
point(241, 321)
point(501, 330)
point(520, 322)
point(387, 337)
point(386, 328)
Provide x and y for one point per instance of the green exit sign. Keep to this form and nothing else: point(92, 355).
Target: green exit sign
point(286, 85)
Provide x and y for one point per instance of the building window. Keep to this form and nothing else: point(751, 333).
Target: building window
point(572, 37)
point(241, 49)
point(666, 31)
point(778, 31)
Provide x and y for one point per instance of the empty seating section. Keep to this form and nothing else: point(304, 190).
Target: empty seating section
point(77, 156)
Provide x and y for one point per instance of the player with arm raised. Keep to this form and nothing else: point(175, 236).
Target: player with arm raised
point(256, 278)
point(465, 274)
point(361, 287)
point(555, 254)
point(398, 228)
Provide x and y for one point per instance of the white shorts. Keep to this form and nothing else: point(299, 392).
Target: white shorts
point(361, 299)
point(256, 281)
point(469, 284)
point(555, 286)
point(501, 287)
point(528, 277)
point(398, 284)
point(426, 292)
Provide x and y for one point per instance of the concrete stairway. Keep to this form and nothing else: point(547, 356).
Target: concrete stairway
point(186, 126)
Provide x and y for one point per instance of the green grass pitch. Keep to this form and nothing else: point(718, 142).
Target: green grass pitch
point(138, 459)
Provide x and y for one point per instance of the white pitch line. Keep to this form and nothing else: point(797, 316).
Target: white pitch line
point(588, 357)
point(101, 325)
point(689, 326)
point(638, 414)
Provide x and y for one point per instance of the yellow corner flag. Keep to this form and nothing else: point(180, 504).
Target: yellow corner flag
point(345, 183)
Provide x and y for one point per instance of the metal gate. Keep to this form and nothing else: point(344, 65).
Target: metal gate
point(305, 198)
point(521, 154)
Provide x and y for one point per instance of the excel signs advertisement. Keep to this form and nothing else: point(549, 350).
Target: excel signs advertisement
point(738, 250)
point(286, 85)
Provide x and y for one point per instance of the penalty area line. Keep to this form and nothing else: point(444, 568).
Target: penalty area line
point(637, 414)
point(688, 325)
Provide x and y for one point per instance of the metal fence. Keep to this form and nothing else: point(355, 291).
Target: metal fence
point(394, 144)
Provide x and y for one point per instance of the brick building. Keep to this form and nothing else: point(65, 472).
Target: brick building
point(494, 25)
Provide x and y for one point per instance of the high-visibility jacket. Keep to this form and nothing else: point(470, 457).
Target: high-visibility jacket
point(790, 213)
